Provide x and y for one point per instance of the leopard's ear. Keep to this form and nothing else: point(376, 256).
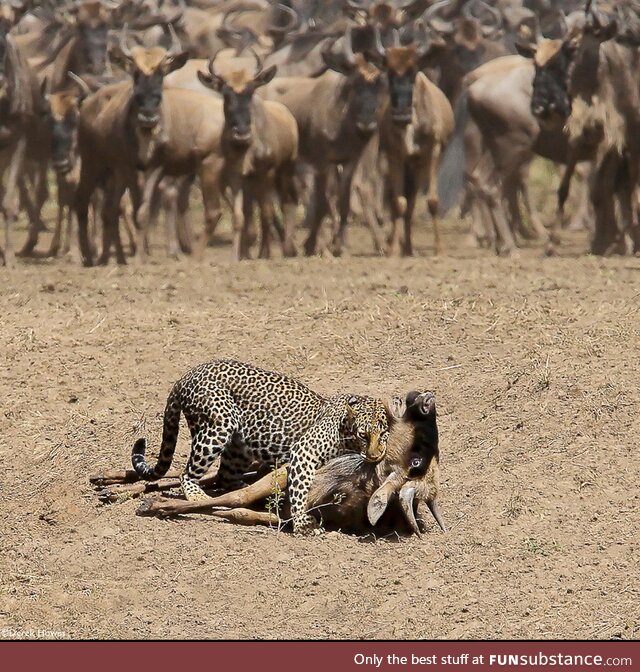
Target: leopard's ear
point(351, 411)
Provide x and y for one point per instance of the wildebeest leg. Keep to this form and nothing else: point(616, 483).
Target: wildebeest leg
point(536, 223)
point(288, 197)
point(398, 206)
point(127, 213)
point(602, 197)
point(10, 199)
point(54, 248)
point(344, 205)
point(86, 188)
point(148, 207)
point(414, 177)
point(35, 222)
point(183, 227)
point(210, 172)
point(265, 195)
point(316, 211)
point(240, 240)
point(505, 242)
point(109, 213)
point(432, 199)
point(170, 207)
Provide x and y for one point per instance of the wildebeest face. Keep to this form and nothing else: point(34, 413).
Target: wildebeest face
point(402, 68)
point(148, 68)
point(365, 102)
point(63, 111)
point(550, 97)
point(147, 96)
point(364, 88)
point(237, 91)
point(93, 44)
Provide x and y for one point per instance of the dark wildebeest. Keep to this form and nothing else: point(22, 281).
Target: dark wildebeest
point(597, 78)
point(19, 108)
point(119, 133)
point(336, 132)
point(414, 130)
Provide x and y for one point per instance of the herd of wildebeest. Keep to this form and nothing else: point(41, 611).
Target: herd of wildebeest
point(330, 108)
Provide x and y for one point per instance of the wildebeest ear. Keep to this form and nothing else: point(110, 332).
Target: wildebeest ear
point(396, 408)
point(265, 76)
point(337, 62)
point(175, 62)
point(427, 405)
point(525, 49)
point(211, 81)
point(435, 49)
point(607, 31)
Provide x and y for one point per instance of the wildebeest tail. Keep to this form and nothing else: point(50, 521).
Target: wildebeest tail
point(451, 175)
point(169, 437)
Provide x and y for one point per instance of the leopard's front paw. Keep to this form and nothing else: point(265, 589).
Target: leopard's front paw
point(304, 525)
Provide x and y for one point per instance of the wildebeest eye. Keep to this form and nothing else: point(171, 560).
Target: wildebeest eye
point(417, 465)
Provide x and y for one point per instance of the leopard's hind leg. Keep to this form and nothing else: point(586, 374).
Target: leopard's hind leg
point(212, 427)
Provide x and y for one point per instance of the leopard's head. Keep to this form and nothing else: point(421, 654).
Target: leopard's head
point(370, 424)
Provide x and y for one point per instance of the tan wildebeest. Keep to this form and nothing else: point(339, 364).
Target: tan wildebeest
point(414, 130)
point(19, 97)
point(260, 146)
point(335, 132)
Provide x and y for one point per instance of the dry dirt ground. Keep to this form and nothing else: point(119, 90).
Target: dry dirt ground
point(535, 366)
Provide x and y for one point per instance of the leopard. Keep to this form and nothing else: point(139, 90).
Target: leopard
point(248, 415)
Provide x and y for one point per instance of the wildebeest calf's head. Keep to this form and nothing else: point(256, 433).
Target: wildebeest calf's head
point(62, 109)
point(237, 91)
point(148, 68)
point(365, 87)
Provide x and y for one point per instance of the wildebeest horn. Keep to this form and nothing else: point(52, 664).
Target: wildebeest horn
point(258, 62)
point(469, 8)
point(377, 42)
point(420, 37)
point(348, 47)
point(175, 47)
point(210, 63)
point(227, 21)
point(435, 510)
point(84, 87)
point(436, 22)
point(362, 6)
point(293, 23)
point(123, 41)
point(406, 496)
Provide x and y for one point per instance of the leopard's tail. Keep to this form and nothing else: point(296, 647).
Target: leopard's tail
point(169, 438)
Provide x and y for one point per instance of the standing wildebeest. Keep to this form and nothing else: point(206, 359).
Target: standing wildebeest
point(500, 139)
point(599, 80)
point(19, 102)
point(120, 131)
point(337, 113)
point(260, 148)
point(413, 132)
